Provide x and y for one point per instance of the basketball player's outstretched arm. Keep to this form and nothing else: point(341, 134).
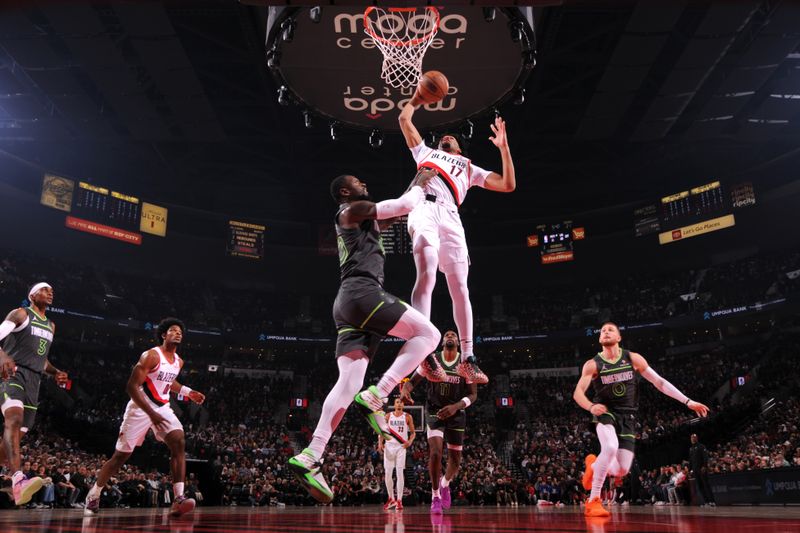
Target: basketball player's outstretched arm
point(641, 366)
point(147, 362)
point(195, 396)
point(506, 182)
point(362, 210)
point(412, 136)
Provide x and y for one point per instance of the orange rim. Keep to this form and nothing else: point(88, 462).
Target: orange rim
point(412, 42)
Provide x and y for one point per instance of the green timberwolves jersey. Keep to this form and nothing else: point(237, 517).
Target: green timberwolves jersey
point(449, 391)
point(361, 252)
point(29, 347)
point(616, 384)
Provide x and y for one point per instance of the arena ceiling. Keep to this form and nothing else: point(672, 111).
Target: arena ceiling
point(628, 101)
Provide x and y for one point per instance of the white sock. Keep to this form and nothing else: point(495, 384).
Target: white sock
point(18, 475)
point(444, 482)
point(436, 493)
point(352, 368)
point(95, 491)
point(177, 489)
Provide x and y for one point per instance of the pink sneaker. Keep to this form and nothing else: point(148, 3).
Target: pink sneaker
point(436, 505)
point(445, 492)
point(181, 506)
point(471, 372)
point(25, 488)
point(432, 370)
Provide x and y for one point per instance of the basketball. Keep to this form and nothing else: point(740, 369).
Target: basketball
point(432, 87)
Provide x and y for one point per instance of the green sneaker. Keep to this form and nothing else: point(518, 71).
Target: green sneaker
point(371, 405)
point(306, 469)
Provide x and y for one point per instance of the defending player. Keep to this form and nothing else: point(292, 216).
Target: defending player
point(613, 376)
point(394, 453)
point(435, 226)
point(365, 313)
point(447, 419)
point(28, 335)
point(152, 379)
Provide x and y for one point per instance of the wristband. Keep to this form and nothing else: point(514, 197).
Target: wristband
point(466, 401)
point(686, 403)
point(185, 391)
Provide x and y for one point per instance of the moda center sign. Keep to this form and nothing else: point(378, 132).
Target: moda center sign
point(333, 68)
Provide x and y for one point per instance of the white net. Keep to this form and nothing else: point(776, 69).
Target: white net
point(402, 35)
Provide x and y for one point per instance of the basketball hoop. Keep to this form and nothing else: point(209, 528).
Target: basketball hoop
point(403, 35)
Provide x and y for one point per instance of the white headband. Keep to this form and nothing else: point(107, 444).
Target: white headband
point(36, 288)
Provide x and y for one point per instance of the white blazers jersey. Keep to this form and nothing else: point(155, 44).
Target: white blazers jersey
point(456, 173)
point(399, 424)
point(159, 381)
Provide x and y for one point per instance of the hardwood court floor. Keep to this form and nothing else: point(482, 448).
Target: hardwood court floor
point(412, 520)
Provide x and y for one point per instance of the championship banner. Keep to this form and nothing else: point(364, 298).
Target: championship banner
point(103, 230)
point(57, 192)
point(154, 220)
point(707, 226)
point(558, 257)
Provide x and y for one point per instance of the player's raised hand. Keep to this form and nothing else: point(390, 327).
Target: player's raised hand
point(499, 129)
point(698, 408)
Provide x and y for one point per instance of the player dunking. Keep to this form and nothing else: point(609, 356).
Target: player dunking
point(152, 379)
point(437, 233)
point(612, 374)
point(394, 453)
point(447, 419)
point(364, 313)
point(28, 335)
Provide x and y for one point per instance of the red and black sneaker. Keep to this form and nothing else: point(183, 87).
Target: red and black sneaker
point(432, 370)
point(471, 372)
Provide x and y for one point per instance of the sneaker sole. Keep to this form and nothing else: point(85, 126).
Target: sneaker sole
point(304, 477)
point(33, 487)
point(368, 414)
point(186, 506)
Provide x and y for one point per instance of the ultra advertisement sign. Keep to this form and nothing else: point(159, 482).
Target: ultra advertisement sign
point(334, 68)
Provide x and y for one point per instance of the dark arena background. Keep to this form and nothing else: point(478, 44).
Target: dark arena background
point(175, 158)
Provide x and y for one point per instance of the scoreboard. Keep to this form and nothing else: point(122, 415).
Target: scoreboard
point(697, 202)
point(113, 208)
point(396, 239)
point(692, 212)
point(245, 239)
point(101, 211)
point(555, 241)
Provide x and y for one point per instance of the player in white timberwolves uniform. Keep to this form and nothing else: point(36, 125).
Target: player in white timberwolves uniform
point(394, 453)
point(151, 381)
